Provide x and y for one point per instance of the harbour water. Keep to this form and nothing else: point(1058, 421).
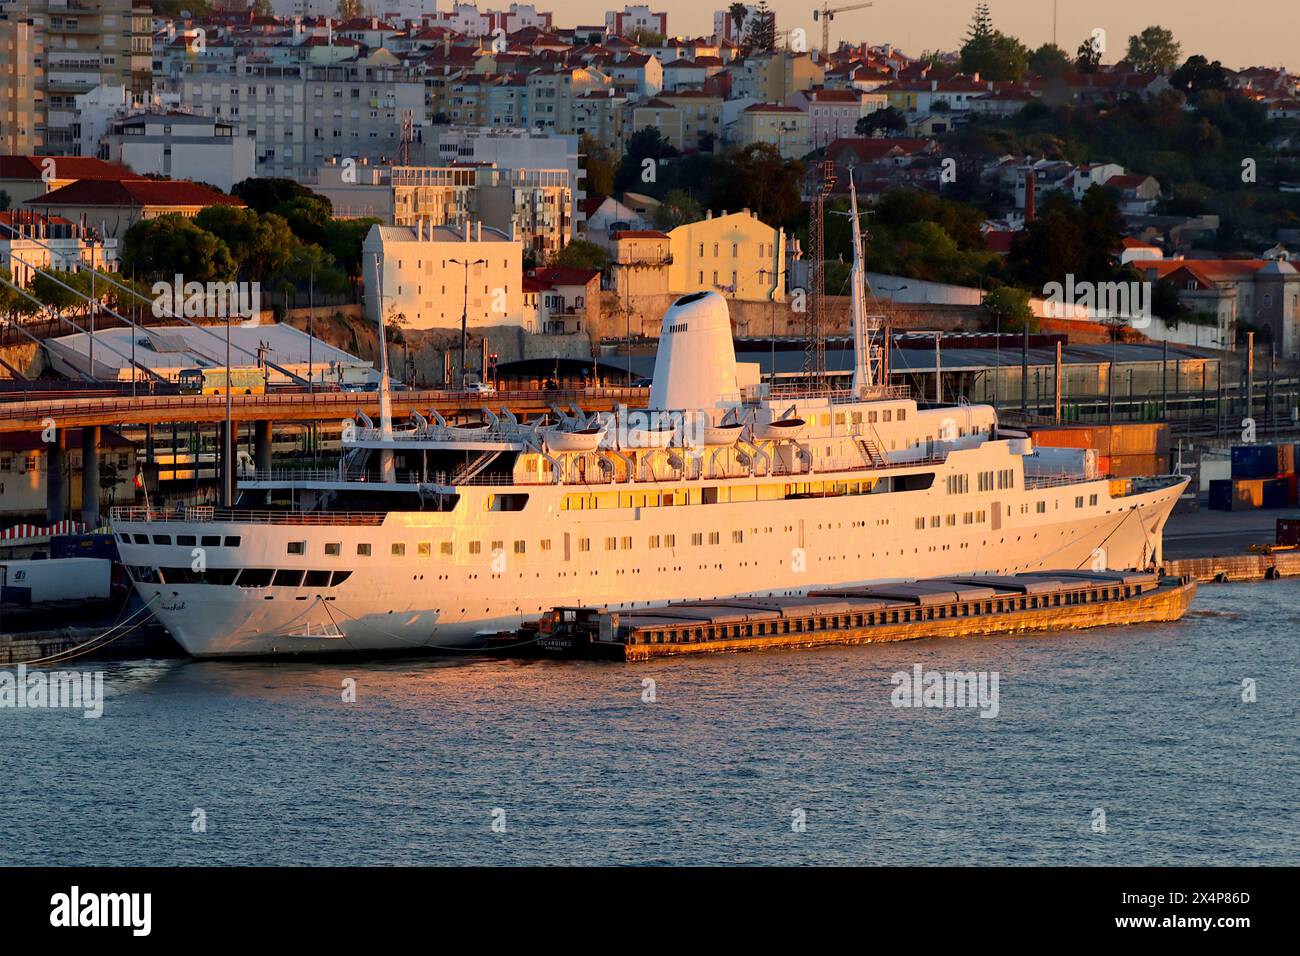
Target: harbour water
point(795, 757)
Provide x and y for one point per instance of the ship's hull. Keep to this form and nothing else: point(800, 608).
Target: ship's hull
point(426, 601)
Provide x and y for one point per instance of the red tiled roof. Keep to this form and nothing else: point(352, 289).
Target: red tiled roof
point(65, 167)
point(638, 234)
point(134, 192)
point(551, 277)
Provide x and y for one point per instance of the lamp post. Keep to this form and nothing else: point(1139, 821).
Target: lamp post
point(464, 312)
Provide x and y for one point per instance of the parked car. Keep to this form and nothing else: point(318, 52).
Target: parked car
point(481, 388)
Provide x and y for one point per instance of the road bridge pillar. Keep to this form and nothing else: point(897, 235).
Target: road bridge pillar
point(90, 476)
point(262, 446)
point(56, 457)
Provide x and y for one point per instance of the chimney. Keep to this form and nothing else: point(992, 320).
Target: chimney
point(1029, 196)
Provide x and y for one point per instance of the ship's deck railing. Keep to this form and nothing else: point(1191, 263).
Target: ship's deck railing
point(209, 515)
point(837, 396)
point(1035, 482)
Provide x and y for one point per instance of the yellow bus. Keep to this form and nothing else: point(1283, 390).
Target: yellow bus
point(212, 381)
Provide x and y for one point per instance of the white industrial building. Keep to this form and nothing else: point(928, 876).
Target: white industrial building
point(431, 274)
point(169, 350)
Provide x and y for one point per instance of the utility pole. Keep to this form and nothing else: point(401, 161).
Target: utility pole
point(464, 312)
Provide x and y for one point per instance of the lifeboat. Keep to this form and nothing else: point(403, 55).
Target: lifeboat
point(784, 429)
point(582, 439)
point(721, 435)
point(650, 437)
point(468, 431)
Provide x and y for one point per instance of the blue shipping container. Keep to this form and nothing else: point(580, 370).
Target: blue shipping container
point(1275, 493)
point(1221, 494)
point(1254, 461)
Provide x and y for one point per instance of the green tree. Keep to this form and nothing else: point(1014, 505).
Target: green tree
point(600, 162)
point(888, 119)
point(632, 172)
point(169, 245)
point(342, 239)
point(308, 217)
point(1154, 50)
point(1050, 61)
point(268, 194)
point(1007, 308)
point(1198, 75)
point(260, 244)
point(1088, 57)
point(738, 12)
point(12, 302)
point(757, 178)
point(990, 53)
point(580, 254)
point(678, 207)
point(762, 30)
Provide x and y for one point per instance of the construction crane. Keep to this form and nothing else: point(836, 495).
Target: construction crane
point(826, 14)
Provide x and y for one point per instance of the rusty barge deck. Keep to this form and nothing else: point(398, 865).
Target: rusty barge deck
point(974, 606)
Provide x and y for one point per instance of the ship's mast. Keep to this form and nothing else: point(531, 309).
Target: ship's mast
point(814, 365)
point(387, 466)
point(868, 358)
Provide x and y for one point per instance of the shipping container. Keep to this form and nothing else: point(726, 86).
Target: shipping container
point(1221, 494)
point(1137, 466)
point(1285, 460)
point(1124, 438)
point(1247, 493)
point(1293, 491)
point(1274, 492)
point(1257, 461)
point(1288, 532)
point(83, 546)
point(62, 579)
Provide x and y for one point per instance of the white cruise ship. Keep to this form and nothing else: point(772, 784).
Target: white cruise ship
point(437, 534)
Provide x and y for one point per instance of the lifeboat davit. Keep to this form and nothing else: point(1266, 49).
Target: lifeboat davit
point(783, 429)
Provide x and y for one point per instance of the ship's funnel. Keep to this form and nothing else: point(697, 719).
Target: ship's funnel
point(695, 368)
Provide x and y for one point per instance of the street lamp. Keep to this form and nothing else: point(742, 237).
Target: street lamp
point(464, 312)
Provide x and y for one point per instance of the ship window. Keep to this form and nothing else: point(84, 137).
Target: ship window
point(902, 414)
point(185, 540)
point(887, 414)
point(737, 537)
point(1078, 501)
point(626, 544)
point(162, 539)
point(122, 536)
point(1092, 500)
point(208, 540)
point(498, 547)
point(611, 544)
point(256, 577)
point(333, 548)
point(871, 418)
point(424, 549)
point(296, 547)
point(220, 575)
point(232, 541)
point(144, 539)
point(316, 579)
point(363, 550)
point(670, 541)
point(338, 577)
point(445, 548)
point(715, 537)
point(584, 544)
point(399, 548)
point(475, 547)
point(288, 578)
point(1042, 507)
